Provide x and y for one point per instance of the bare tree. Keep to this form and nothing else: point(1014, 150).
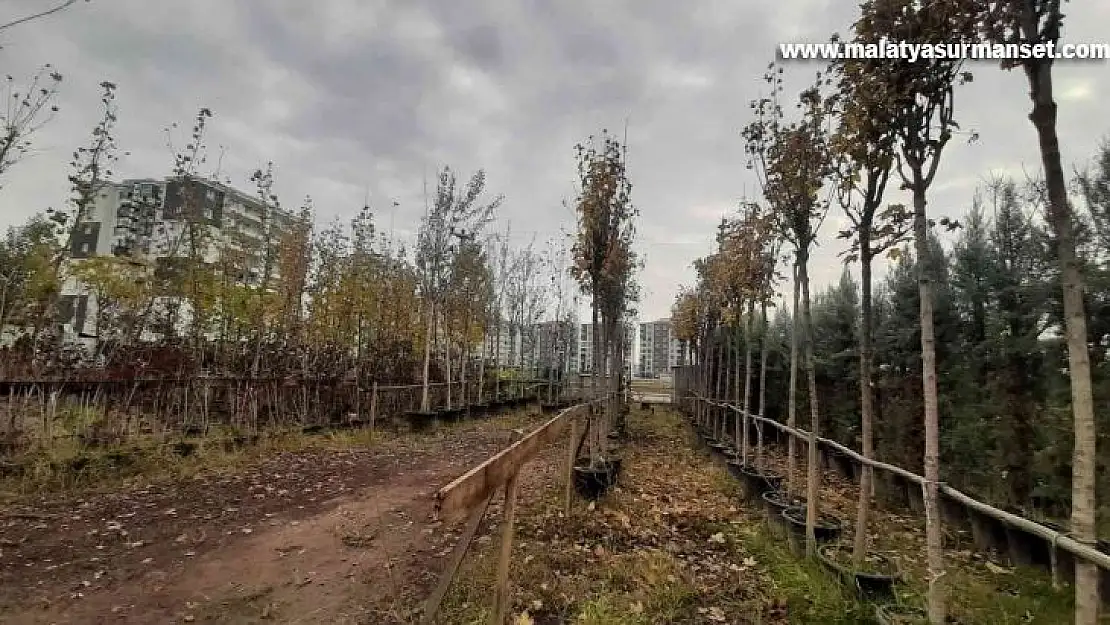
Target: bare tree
point(25, 112)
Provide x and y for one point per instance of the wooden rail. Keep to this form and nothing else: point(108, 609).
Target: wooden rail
point(470, 494)
point(467, 491)
point(1061, 540)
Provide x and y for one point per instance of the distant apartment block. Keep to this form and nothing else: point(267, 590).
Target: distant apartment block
point(556, 346)
point(541, 345)
point(659, 349)
point(148, 220)
point(586, 347)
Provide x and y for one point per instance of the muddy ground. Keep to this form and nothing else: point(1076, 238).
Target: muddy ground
point(325, 535)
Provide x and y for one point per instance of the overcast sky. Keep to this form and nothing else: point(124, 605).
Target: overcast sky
point(350, 96)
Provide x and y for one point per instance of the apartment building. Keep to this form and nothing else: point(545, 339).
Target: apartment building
point(660, 350)
point(147, 220)
point(539, 346)
point(586, 347)
point(556, 346)
point(655, 343)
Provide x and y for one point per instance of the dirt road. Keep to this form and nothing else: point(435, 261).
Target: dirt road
point(313, 537)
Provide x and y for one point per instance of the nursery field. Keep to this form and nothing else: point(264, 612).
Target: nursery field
point(674, 542)
point(338, 529)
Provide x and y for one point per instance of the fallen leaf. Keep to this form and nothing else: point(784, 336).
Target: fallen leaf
point(997, 570)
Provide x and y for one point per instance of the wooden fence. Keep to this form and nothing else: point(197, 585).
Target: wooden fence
point(106, 412)
point(470, 495)
point(1062, 540)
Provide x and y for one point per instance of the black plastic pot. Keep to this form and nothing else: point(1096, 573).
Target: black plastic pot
point(420, 420)
point(757, 482)
point(774, 503)
point(614, 464)
point(891, 614)
point(451, 415)
point(1026, 549)
point(826, 529)
point(734, 469)
point(842, 464)
point(988, 533)
point(592, 482)
point(772, 481)
point(870, 584)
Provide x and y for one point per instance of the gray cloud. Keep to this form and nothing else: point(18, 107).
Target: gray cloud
point(350, 96)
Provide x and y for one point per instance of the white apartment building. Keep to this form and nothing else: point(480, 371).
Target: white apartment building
point(146, 219)
point(659, 350)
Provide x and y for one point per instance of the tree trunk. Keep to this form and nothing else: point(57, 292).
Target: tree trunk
point(497, 358)
point(718, 375)
point(813, 477)
point(747, 377)
point(425, 400)
point(934, 546)
point(739, 419)
point(595, 356)
point(792, 392)
point(865, 357)
point(447, 357)
point(1083, 504)
point(764, 353)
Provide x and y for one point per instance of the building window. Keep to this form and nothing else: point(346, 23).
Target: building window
point(84, 248)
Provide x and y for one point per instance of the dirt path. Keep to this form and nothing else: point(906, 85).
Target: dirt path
point(324, 536)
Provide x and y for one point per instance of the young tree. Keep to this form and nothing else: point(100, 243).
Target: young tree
point(26, 275)
point(1041, 22)
point(91, 167)
point(453, 210)
point(919, 103)
point(603, 254)
point(863, 146)
point(759, 138)
point(264, 262)
point(798, 162)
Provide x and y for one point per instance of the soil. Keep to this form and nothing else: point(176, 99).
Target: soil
point(325, 536)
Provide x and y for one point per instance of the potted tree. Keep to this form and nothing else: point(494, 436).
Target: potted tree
point(603, 265)
point(454, 212)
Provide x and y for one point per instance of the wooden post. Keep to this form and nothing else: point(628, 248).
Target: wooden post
point(431, 607)
point(571, 447)
point(373, 406)
point(501, 600)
